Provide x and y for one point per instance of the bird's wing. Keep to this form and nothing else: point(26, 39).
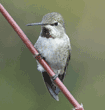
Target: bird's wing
point(52, 88)
point(61, 76)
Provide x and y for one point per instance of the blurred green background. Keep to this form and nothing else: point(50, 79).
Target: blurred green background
point(22, 86)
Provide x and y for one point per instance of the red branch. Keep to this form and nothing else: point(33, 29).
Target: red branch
point(17, 29)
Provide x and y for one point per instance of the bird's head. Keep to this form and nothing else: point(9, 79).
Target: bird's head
point(52, 25)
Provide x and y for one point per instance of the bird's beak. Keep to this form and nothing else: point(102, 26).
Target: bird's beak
point(33, 24)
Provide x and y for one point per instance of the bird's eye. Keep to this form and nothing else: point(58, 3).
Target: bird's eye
point(55, 24)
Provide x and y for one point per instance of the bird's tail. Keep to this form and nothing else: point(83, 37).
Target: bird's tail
point(52, 88)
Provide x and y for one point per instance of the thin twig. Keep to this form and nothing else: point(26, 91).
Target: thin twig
point(27, 42)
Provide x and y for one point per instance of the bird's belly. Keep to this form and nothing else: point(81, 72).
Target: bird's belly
point(52, 57)
point(53, 51)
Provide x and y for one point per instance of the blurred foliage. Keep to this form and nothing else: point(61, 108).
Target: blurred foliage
point(21, 85)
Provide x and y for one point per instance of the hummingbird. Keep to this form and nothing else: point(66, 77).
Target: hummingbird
point(54, 47)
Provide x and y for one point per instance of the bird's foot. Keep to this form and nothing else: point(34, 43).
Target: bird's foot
point(55, 76)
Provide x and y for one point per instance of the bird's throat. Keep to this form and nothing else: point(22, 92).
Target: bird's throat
point(45, 33)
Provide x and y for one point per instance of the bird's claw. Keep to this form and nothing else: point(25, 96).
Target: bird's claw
point(54, 77)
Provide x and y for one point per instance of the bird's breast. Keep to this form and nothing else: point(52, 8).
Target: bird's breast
point(54, 51)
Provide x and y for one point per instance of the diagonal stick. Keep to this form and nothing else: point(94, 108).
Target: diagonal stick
point(26, 41)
